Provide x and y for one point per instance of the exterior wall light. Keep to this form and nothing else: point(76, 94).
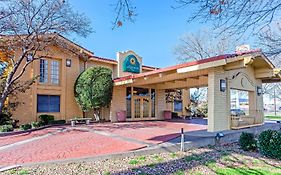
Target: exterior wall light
point(29, 57)
point(222, 85)
point(259, 90)
point(68, 62)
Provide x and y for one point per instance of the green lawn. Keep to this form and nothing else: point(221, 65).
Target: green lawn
point(273, 117)
point(221, 160)
point(240, 165)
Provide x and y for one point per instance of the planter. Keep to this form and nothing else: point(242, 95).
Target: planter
point(235, 121)
point(249, 120)
point(121, 116)
point(167, 115)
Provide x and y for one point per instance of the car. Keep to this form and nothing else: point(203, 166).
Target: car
point(237, 112)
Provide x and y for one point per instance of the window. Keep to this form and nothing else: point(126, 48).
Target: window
point(239, 102)
point(49, 71)
point(48, 103)
point(177, 105)
point(43, 71)
point(55, 72)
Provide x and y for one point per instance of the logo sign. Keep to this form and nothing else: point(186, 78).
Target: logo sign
point(131, 64)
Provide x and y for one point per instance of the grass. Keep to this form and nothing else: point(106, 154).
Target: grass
point(134, 162)
point(23, 172)
point(173, 155)
point(137, 160)
point(273, 117)
point(158, 158)
point(244, 171)
point(142, 158)
point(179, 172)
point(226, 160)
point(193, 158)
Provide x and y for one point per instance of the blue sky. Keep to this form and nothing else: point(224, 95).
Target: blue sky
point(153, 36)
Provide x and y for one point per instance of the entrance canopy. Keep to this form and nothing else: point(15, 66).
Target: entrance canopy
point(244, 71)
point(195, 74)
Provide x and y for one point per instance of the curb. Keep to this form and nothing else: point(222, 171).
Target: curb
point(7, 168)
point(27, 131)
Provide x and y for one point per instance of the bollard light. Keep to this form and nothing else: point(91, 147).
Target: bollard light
point(182, 139)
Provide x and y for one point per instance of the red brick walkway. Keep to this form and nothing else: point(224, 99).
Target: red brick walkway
point(85, 141)
point(20, 137)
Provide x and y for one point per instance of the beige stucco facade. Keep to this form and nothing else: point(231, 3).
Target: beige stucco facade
point(26, 112)
point(143, 90)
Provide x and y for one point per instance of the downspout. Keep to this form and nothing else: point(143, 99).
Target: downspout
point(84, 68)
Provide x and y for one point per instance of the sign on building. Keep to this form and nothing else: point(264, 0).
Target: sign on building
point(131, 64)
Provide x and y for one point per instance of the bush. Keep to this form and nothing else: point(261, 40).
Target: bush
point(58, 122)
point(6, 128)
point(35, 124)
point(5, 119)
point(25, 127)
point(247, 141)
point(269, 143)
point(46, 119)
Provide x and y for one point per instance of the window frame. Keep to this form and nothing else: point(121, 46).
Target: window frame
point(48, 103)
point(42, 70)
point(53, 75)
point(178, 102)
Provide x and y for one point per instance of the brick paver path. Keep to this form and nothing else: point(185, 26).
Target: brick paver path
point(57, 143)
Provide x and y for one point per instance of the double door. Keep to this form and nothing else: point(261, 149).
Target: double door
point(141, 109)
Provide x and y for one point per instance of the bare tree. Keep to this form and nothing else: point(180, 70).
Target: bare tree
point(28, 27)
point(125, 11)
point(204, 44)
point(270, 40)
point(235, 16)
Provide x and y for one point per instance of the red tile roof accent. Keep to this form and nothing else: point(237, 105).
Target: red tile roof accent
point(105, 59)
point(115, 62)
point(149, 67)
point(187, 64)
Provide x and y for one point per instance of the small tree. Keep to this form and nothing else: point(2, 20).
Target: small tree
point(93, 89)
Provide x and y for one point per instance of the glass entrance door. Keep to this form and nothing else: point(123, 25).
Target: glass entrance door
point(140, 103)
point(141, 107)
point(137, 104)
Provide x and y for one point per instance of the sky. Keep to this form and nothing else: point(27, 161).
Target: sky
point(153, 36)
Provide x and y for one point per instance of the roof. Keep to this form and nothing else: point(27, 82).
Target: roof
point(149, 67)
point(188, 64)
point(98, 58)
point(90, 53)
point(81, 49)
